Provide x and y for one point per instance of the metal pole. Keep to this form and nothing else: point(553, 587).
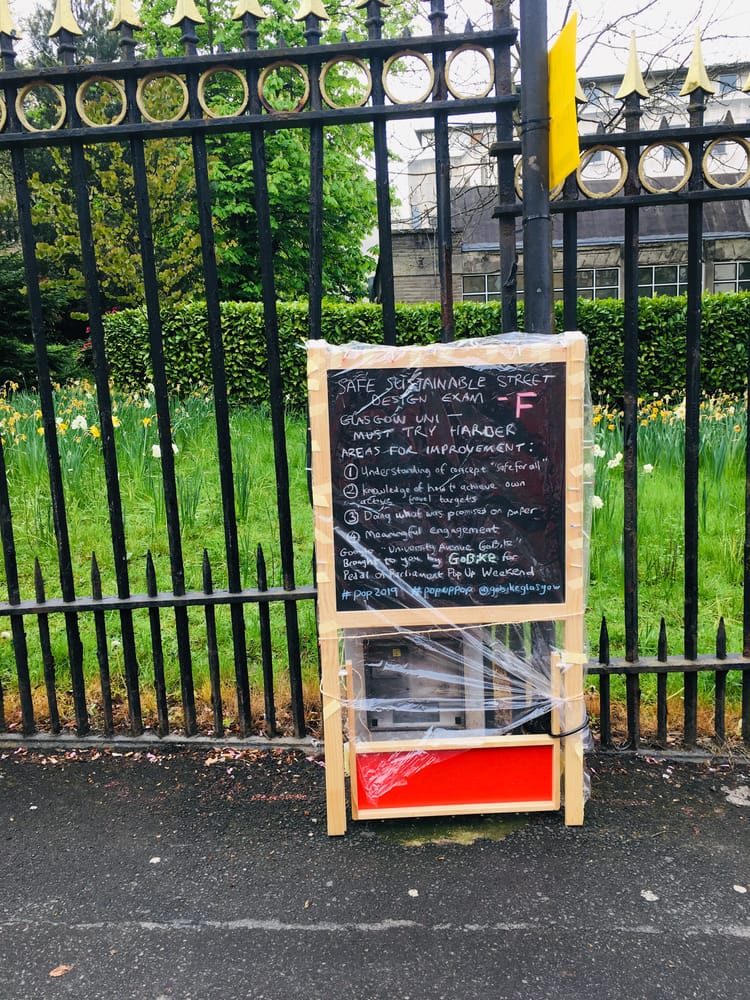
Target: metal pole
point(537, 223)
point(501, 18)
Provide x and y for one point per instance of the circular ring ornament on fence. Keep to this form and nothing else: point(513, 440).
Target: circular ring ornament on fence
point(233, 105)
point(362, 76)
point(180, 105)
point(3, 114)
point(103, 84)
point(424, 66)
point(586, 158)
point(265, 81)
point(680, 150)
point(38, 87)
point(554, 194)
point(462, 69)
point(710, 153)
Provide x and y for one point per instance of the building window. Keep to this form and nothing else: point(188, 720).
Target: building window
point(593, 283)
point(482, 287)
point(598, 283)
point(662, 279)
point(732, 276)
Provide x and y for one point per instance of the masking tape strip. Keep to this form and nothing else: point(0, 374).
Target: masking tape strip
point(332, 708)
point(573, 659)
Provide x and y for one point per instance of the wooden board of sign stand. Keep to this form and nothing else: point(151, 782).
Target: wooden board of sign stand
point(472, 773)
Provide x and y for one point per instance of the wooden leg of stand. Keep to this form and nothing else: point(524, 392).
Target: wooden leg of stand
point(334, 740)
point(573, 745)
point(556, 715)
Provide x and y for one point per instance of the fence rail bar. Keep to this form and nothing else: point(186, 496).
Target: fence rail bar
point(164, 599)
point(674, 665)
point(239, 123)
point(623, 201)
point(637, 138)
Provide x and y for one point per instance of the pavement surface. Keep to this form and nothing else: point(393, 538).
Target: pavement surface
point(208, 875)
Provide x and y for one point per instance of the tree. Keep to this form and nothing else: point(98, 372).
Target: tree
point(8, 214)
point(220, 30)
point(349, 197)
point(17, 362)
point(96, 44)
point(114, 221)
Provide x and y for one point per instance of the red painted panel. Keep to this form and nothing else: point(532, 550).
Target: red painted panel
point(415, 778)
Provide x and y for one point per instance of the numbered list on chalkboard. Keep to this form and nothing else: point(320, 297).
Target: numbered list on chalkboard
point(448, 485)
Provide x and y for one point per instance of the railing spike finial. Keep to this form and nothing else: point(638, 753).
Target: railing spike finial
point(314, 7)
point(252, 7)
point(662, 647)
point(580, 93)
point(63, 20)
point(7, 27)
point(697, 76)
point(746, 88)
point(124, 13)
point(632, 82)
point(364, 3)
point(186, 10)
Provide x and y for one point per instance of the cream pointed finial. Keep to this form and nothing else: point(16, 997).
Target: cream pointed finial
point(314, 7)
point(697, 77)
point(63, 20)
point(746, 88)
point(363, 3)
point(632, 82)
point(580, 93)
point(7, 27)
point(247, 7)
point(186, 9)
point(124, 13)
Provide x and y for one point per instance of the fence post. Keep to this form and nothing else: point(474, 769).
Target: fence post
point(537, 222)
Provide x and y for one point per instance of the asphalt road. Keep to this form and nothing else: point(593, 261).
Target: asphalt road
point(209, 876)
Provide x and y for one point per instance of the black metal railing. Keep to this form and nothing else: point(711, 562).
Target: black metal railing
point(63, 85)
point(255, 120)
point(630, 144)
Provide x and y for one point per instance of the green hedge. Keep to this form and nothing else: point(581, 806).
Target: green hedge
point(662, 322)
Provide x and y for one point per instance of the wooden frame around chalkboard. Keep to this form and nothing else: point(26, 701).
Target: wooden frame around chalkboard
point(568, 349)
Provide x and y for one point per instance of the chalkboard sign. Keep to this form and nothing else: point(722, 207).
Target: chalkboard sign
point(448, 485)
point(448, 491)
point(448, 480)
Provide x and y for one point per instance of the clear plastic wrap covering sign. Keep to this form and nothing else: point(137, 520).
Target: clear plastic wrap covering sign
point(449, 488)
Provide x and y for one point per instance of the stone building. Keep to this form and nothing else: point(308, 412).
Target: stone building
point(663, 229)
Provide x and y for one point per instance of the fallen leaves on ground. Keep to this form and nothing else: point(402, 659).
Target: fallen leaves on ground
point(59, 970)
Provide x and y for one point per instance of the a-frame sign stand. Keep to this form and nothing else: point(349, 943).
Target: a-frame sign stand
point(448, 493)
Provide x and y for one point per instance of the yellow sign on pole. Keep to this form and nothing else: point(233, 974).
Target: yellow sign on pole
point(564, 155)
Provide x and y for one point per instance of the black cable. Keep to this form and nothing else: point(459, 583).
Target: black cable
point(571, 732)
